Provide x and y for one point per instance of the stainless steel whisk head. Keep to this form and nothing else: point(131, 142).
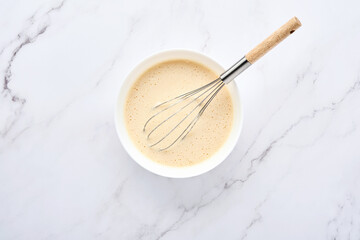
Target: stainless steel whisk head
point(203, 96)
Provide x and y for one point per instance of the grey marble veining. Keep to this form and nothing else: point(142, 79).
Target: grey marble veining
point(294, 173)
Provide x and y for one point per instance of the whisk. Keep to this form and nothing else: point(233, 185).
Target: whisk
point(204, 95)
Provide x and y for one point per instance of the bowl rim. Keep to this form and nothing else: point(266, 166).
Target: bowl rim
point(143, 160)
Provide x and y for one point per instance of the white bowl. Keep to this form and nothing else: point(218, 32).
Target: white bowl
point(168, 171)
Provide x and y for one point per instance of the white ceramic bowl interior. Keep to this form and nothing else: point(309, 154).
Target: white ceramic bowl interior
point(152, 166)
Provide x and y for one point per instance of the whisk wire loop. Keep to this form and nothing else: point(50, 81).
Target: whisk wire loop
point(211, 89)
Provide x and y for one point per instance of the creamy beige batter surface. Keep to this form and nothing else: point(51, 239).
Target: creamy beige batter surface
point(163, 82)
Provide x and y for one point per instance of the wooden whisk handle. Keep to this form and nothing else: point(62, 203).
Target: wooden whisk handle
point(260, 50)
point(274, 39)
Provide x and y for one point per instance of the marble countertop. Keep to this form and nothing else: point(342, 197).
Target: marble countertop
point(294, 174)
